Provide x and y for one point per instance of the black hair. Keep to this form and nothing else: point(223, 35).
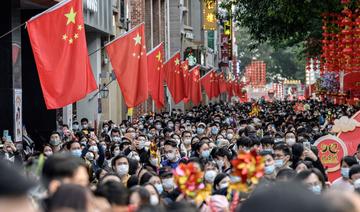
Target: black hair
point(68, 144)
point(55, 132)
point(219, 178)
point(170, 143)
point(222, 152)
point(133, 166)
point(59, 166)
point(267, 140)
point(116, 193)
point(84, 120)
point(145, 178)
point(306, 173)
point(143, 194)
point(115, 130)
point(185, 131)
point(307, 163)
point(12, 182)
point(244, 141)
point(182, 206)
point(69, 196)
point(285, 174)
point(284, 148)
point(349, 160)
point(355, 169)
point(117, 157)
point(132, 181)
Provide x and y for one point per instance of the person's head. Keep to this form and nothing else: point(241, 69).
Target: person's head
point(115, 135)
point(210, 171)
point(269, 168)
point(14, 188)
point(267, 143)
point(203, 150)
point(290, 138)
point(186, 137)
point(71, 197)
point(282, 155)
point(167, 180)
point(354, 176)
point(74, 148)
point(285, 175)
point(120, 165)
point(222, 157)
point(115, 192)
point(154, 195)
point(63, 169)
point(139, 196)
point(346, 163)
point(55, 139)
point(303, 165)
point(313, 179)
point(170, 150)
point(84, 123)
point(47, 150)
point(221, 181)
point(294, 198)
point(200, 130)
point(244, 143)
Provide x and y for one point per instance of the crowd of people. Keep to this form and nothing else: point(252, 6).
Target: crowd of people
point(129, 166)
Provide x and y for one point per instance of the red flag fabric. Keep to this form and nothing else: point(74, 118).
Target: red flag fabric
point(185, 70)
point(208, 82)
point(215, 87)
point(58, 42)
point(229, 86)
point(174, 78)
point(222, 84)
point(156, 75)
point(128, 58)
point(195, 86)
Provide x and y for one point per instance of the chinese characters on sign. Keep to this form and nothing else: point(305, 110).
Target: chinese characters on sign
point(209, 14)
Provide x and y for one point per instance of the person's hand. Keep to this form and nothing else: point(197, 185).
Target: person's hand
point(310, 154)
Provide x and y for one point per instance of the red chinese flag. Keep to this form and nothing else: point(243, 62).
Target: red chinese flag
point(58, 42)
point(174, 78)
point(156, 75)
point(207, 82)
point(195, 85)
point(215, 85)
point(128, 58)
point(222, 84)
point(229, 85)
point(185, 70)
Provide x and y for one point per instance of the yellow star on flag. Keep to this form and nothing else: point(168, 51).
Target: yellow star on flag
point(158, 56)
point(80, 27)
point(70, 40)
point(64, 37)
point(137, 39)
point(76, 36)
point(70, 16)
point(177, 61)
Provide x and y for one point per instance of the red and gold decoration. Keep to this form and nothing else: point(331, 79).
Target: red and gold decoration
point(189, 179)
point(209, 14)
point(255, 110)
point(249, 167)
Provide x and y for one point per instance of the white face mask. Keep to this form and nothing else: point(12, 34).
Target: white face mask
point(223, 185)
point(171, 156)
point(168, 183)
point(154, 161)
point(230, 136)
point(187, 141)
point(210, 176)
point(290, 141)
point(357, 183)
point(123, 169)
point(154, 200)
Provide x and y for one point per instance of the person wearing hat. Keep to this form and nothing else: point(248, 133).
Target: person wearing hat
point(200, 130)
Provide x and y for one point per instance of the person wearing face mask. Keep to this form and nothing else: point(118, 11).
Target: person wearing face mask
point(154, 195)
point(282, 157)
point(120, 165)
point(221, 183)
point(84, 124)
point(200, 130)
point(55, 141)
point(168, 183)
point(75, 126)
point(158, 125)
point(138, 146)
point(170, 124)
point(186, 142)
point(214, 131)
point(106, 127)
point(222, 158)
point(343, 182)
point(269, 169)
point(10, 153)
point(115, 135)
point(98, 161)
point(313, 179)
point(47, 150)
point(290, 138)
point(230, 134)
point(74, 148)
point(171, 154)
point(202, 150)
point(210, 172)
